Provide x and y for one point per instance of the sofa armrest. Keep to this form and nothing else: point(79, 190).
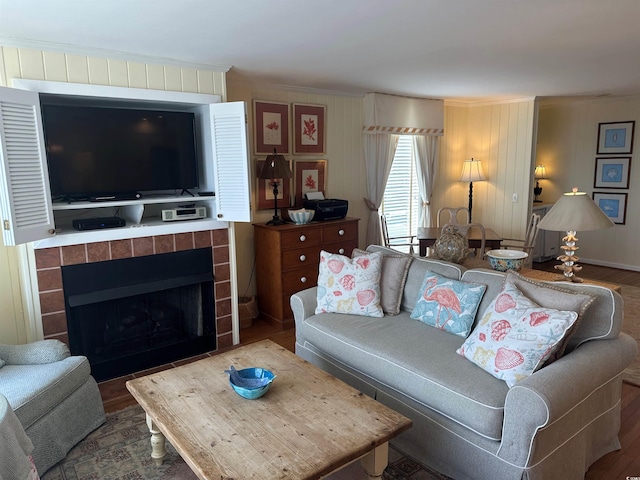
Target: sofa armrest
point(40, 352)
point(304, 304)
point(552, 405)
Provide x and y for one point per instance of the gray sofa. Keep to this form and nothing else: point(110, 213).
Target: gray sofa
point(467, 423)
point(53, 395)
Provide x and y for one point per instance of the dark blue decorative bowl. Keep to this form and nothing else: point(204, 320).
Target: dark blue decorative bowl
point(250, 383)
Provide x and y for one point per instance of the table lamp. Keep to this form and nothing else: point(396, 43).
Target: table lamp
point(471, 172)
point(572, 212)
point(275, 169)
point(539, 174)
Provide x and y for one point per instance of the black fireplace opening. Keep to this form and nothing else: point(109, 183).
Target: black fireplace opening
point(136, 313)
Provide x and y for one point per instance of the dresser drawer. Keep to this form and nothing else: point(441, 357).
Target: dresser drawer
point(300, 279)
point(301, 237)
point(344, 231)
point(301, 258)
point(344, 247)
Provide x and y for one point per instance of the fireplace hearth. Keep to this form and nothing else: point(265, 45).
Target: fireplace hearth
point(131, 314)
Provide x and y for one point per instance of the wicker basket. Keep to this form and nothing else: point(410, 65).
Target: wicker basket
point(247, 310)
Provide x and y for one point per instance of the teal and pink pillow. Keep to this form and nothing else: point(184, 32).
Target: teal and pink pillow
point(448, 304)
point(348, 285)
point(515, 336)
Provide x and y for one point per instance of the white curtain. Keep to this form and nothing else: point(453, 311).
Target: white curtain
point(426, 158)
point(379, 150)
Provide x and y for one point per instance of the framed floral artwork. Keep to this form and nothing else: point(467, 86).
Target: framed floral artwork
point(264, 192)
point(612, 172)
point(311, 176)
point(616, 137)
point(308, 129)
point(614, 205)
point(270, 127)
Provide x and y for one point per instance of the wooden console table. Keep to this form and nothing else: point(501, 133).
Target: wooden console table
point(558, 277)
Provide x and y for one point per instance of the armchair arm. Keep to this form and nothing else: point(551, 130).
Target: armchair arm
point(43, 351)
point(555, 403)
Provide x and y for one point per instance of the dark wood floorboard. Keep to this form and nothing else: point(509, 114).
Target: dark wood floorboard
point(618, 465)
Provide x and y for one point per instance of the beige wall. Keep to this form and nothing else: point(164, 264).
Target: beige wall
point(60, 67)
point(567, 146)
point(345, 161)
point(501, 135)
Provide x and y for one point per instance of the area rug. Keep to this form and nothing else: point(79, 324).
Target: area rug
point(120, 450)
point(631, 325)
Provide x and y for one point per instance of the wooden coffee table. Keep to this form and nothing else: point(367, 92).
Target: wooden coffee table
point(306, 426)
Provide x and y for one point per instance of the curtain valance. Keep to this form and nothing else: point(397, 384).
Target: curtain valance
point(402, 115)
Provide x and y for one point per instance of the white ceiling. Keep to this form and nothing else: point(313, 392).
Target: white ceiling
point(466, 50)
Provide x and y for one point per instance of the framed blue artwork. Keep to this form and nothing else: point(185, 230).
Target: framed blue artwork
point(612, 172)
point(614, 205)
point(616, 137)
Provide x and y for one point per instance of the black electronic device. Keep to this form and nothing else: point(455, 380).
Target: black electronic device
point(328, 208)
point(98, 223)
point(114, 153)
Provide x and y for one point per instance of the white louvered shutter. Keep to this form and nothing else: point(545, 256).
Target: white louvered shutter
point(401, 196)
point(231, 161)
point(25, 199)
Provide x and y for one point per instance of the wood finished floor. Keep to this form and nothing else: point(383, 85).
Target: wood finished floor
point(617, 465)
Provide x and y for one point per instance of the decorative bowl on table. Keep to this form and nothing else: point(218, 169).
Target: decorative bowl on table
point(250, 383)
point(504, 260)
point(302, 216)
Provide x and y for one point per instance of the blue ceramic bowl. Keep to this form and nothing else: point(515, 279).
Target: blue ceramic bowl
point(302, 216)
point(504, 260)
point(250, 374)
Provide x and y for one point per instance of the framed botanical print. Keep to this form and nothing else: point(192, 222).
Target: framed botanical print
point(264, 192)
point(270, 127)
point(614, 205)
point(311, 176)
point(616, 137)
point(612, 172)
point(308, 129)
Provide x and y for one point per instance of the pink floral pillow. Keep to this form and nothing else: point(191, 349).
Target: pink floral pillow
point(515, 336)
point(348, 285)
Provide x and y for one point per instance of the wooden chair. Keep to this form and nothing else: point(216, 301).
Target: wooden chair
point(393, 242)
point(453, 215)
point(528, 244)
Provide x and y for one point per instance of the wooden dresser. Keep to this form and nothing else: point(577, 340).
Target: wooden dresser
point(287, 258)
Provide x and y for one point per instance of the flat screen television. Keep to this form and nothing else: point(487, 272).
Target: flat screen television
point(97, 153)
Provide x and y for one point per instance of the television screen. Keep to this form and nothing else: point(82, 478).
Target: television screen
point(100, 151)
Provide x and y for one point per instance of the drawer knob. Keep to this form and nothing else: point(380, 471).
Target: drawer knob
point(303, 258)
point(303, 279)
point(302, 238)
point(341, 232)
point(341, 251)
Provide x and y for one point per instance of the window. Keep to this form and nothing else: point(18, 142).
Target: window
point(401, 197)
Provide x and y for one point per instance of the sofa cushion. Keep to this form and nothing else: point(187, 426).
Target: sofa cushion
point(395, 268)
point(33, 390)
point(552, 296)
point(2, 362)
point(348, 285)
point(415, 359)
point(448, 304)
point(515, 336)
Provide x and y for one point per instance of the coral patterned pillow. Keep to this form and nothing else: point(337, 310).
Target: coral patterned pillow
point(515, 336)
point(348, 285)
point(448, 304)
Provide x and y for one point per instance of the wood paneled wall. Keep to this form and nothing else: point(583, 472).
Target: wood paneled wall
point(567, 146)
point(501, 135)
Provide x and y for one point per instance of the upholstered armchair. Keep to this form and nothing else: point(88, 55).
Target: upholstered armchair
point(53, 395)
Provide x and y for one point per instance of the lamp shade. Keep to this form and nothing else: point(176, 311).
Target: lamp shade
point(540, 172)
point(575, 211)
point(472, 171)
point(275, 166)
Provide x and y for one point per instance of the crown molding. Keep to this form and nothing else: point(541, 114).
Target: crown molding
point(103, 52)
point(486, 103)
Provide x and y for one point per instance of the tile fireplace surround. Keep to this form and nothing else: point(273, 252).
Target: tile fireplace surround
point(50, 260)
